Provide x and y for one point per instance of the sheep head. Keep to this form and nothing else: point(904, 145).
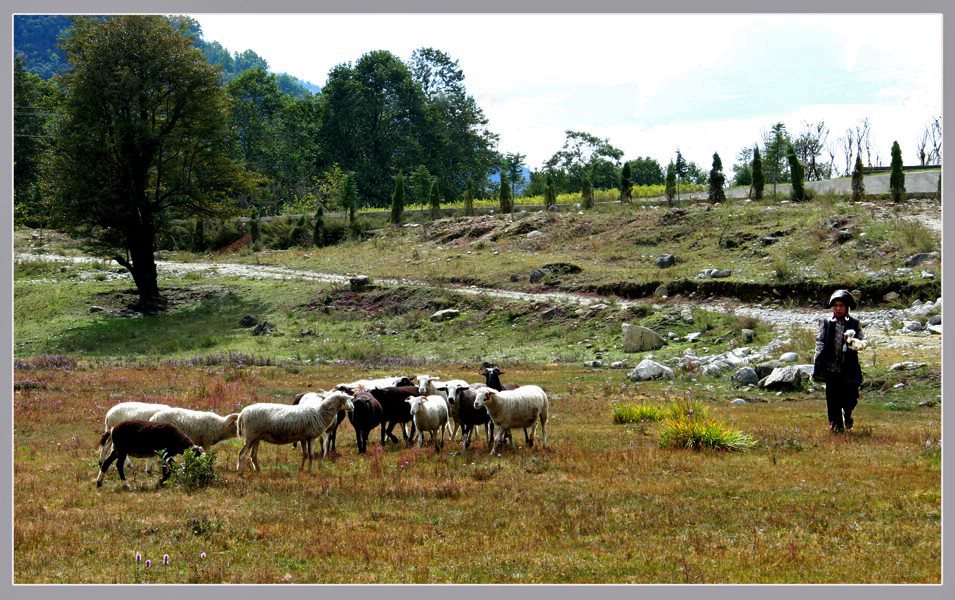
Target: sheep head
point(482, 395)
point(415, 402)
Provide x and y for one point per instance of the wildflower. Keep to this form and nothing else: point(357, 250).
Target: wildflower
point(139, 557)
point(149, 563)
point(165, 559)
point(202, 555)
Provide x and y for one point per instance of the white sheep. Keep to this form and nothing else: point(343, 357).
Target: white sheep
point(429, 413)
point(521, 407)
point(126, 411)
point(434, 386)
point(365, 385)
point(204, 428)
point(285, 423)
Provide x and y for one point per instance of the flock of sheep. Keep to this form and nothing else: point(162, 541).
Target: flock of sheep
point(429, 405)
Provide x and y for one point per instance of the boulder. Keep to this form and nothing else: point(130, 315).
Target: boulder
point(784, 378)
point(789, 357)
point(936, 329)
point(263, 328)
point(666, 260)
point(764, 369)
point(551, 313)
point(935, 320)
point(714, 273)
point(692, 337)
point(618, 364)
point(906, 366)
point(890, 296)
point(97, 309)
point(648, 369)
point(533, 234)
point(748, 335)
point(746, 376)
point(537, 275)
point(445, 315)
point(596, 363)
point(920, 258)
point(912, 326)
point(637, 338)
point(359, 283)
point(738, 401)
point(661, 291)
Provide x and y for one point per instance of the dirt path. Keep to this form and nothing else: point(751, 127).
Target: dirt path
point(880, 324)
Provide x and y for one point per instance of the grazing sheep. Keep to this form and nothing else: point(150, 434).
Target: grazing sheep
point(205, 428)
point(429, 413)
point(515, 408)
point(366, 415)
point(461, 406)
point(314, 399)
point(143, 439)
point(395, 410)
point(284, 424)
point(433, 386)
point(125, 411)
point(492, 375)
point(372, 384)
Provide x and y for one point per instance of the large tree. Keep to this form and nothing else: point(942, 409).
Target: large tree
point(646, 171)
point(33, 108)
point(373, 122)
point(585, 153)
point(142, 139)
point(776, 143)
point(796, 176)
point(456, 141)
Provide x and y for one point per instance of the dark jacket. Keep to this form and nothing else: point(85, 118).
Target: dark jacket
point(851, 371)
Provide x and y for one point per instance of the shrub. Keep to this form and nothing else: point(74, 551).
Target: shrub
point(697, 434)
point(639, 413)
point(194, 471)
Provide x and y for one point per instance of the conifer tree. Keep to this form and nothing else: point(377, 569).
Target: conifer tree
point(897, 177)
point(254, 227)
point(469, 198)
point(626, 185)
point(349, 198)
point(858, 186)
point(587, 193)
point(199, 236)
point(758, 181)
point(398, 200)
point(435, 200)
point(671, 183)
point(318, 234)
point(504, 197)
point(550, 192)
point(717, 180)
point(796, 175)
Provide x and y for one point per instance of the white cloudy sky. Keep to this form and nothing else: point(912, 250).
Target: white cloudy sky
point(648, 83)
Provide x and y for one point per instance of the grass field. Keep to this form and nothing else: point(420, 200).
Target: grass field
point(602, 503)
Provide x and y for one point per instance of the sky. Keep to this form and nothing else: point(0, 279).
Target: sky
point(649, 84)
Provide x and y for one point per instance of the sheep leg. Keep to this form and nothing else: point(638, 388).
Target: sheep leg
point(358, 434)
point(543, 420)
point(530, 439)
point(106, 463)
point(306, 453)
point(466, 435)
point(166, 470)
point(240, 464)
point(498, 437)
point(120, 466)
point(254, 454)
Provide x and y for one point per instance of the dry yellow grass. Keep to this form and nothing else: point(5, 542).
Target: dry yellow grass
point(603, 503)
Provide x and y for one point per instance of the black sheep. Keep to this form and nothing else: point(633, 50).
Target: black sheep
point(468, 416)
point(366, 415)
point(143, 439)
point(395, 410)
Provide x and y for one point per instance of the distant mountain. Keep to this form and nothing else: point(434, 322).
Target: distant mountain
point(35, 39)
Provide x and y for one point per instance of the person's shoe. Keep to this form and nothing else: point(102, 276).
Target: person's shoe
point(848, 422)
point(835, 428)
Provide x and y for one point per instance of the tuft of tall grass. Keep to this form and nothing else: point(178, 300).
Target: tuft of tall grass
point(697, 434)
point(641, 413)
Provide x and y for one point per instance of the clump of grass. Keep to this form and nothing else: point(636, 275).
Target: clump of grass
point(194, 471)
point(697, 434)
point(642, 413)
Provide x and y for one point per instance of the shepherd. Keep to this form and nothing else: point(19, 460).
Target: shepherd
point(836, 361)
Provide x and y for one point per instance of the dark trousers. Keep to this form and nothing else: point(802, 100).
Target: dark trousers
point(841, 399)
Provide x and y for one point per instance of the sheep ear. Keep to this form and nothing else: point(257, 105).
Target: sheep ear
point(232, 418)
point(483, 371)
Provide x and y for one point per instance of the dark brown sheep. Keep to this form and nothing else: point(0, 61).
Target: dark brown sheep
point(366, 415)
point(144, 439)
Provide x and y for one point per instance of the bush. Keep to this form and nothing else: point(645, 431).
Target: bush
point(696, 434)
point(194, 471)
point(638, 413)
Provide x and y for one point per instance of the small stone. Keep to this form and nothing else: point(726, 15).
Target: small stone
point(789, 357)
point(97, 309)
point(739, 401)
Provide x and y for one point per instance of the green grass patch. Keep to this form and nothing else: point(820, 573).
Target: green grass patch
point(699, 433)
